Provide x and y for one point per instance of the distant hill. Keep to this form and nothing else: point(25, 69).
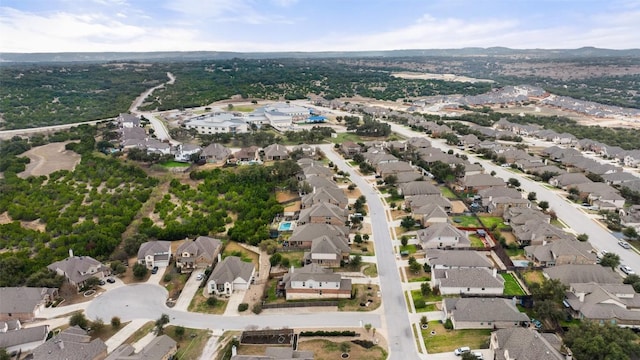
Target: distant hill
point(222, 55)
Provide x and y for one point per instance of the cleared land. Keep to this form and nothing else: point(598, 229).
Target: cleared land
point(445, 77)
point(48, 158)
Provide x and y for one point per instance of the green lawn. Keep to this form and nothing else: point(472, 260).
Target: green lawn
point(511, 285)
point(411, 248)
point(416, 294)
point(476, 241)
point(370, 270)
point(491, 221)
point(342, 137)
point(514, 253)
point(444, 340)
point(446, 192)
point(244, 108)
point(420, 279)
point(466, 221)
point(558, 223)
point(174, 164)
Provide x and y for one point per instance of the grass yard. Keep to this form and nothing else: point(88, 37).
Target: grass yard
point(511, 285)
point(295, 258)
point(416, 294)
point(412, 277)
point(448, 193)
point(420, 278)
point(363, 293)
point(199, 304)
point(466, 221)
point(445, 340)
point(515, 253)
point(140, 333)
point(370, 270)
point(191, 343)
point(243, 108)
point(411, 249)
point(533, 276)
point(491, 221)
point(233, 249)
point(476, 241)
point(364, 249)
point(345, 136)
point(329, 350)
point(558, 223)
point(174, 164)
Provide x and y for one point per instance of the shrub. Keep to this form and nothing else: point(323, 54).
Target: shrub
point(448, 324)
point(212, 301)
point(115, 322)
point(167, 277)
point(328, 333)
point(364, 343)
point(243, 307)
point(257, 308)
point(420, 304)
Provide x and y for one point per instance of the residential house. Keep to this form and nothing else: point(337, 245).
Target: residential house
point(327, 251)
point(405, 177)
point(160, 348)
point(537, 232)
point(483, 313)
point(128, 121)
point(16, 339)
point(568, 180)
point(275, 152)
point(453, 259)
point(333, 196)
point(632, 158)
point(525, 344)
point(24, 303)
point(468, 281)
point(229, 275)
point(415, 202)
point(247, 155)
point(323, 213)
point(519, 216)
point(200, 253)
point(394, 168)
point(155, 253)
point(315, 282)
point(498, 205)
point(215, 153)
point(561, 252)
point(77, 269)
point(441, 236)
point(303, 235)
point(630, 217)
point(74, 343)
point(481, 181)
point(306, 149)
point(186, 152)
point(418, 142)
point(316, 169)
point(154, 146)
point(618, 178)
point(617, 304)
point(418, 188)
point(349, 148)
point(430, 214)
point(472, 169)
point(594, 191)
point(470, 141)
point(573, 273)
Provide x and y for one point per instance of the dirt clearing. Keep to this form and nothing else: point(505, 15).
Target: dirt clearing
point(48, 158)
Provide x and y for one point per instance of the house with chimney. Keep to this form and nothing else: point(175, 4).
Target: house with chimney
point(77, 269)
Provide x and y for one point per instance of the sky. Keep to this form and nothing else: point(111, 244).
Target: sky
point(314, 25)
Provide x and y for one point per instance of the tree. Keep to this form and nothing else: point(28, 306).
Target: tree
point(390, 180)
point(275, 259)
point(513, 182)
point(117, 267)
point(404, 240)
point(139, 271)
point(365, 237)
point(633, 280)
point(415, 267)
point(425, 289)
point(4, 355)
point(357, 239)
point(630, 233)
point(212, 301)
point(548, 310)
point(367, 327)
point(91, 282)
point(426, 268)
point(532, 196)
point(115, 322)
point(593, 341)
point(78, 319)
point(179, 331)
point(97, 326)
point(611, 260)
point(408, 222)
point(160, 323)
point(582, 237)
point(355, 261)
point(543, 205)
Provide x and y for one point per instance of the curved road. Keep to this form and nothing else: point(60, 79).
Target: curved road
point(146, 301)
point(575, 218)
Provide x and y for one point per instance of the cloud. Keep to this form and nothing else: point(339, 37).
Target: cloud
point(226, 11)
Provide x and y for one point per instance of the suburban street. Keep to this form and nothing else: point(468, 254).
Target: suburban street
point(575, 218)
point(396, 318)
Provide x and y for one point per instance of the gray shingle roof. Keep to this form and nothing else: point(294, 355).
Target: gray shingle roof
point(469, 278)
point(71, 344)
point(525, 344)
point(457, 258)
point(484, 310)
point(231, 268)
point(23, 336)
point(21, 299)
point(568, 274)
point(77, 268)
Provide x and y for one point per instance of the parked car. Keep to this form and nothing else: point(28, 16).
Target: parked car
point(200, 276)
point(624, 244)
point(478, 355)
point(462, 350)
point(627, 269)
point(101, 282)
point(154, 270)
point(111, 280)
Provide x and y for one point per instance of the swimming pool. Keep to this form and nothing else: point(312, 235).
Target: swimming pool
point(520, 263)
point(285, 226)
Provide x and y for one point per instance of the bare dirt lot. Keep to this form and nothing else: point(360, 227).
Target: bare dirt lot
point(49, 158)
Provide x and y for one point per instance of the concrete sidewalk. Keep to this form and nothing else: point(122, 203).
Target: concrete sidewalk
point(119, 338)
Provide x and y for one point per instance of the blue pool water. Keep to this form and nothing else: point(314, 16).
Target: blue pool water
point(285, 226)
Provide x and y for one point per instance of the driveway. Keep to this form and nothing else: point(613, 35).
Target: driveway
point(189, 290)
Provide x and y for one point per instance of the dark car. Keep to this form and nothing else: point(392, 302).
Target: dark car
point(111, 280)
point(154, 270)
point(101, 282)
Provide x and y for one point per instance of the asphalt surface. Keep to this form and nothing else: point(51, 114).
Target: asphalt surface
point(570, 214)
point(398, 326)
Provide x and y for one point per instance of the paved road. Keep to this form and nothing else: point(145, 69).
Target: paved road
point(398, 326)
point(160, 129)
point(574, 217)
point(8, 134)
point(146, 301)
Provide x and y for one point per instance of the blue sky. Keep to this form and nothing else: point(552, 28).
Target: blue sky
point(314, 25)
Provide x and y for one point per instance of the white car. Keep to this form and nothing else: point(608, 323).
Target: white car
point(462, 350)
point(200, 276)
point(624, 244)
point(627, 270)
